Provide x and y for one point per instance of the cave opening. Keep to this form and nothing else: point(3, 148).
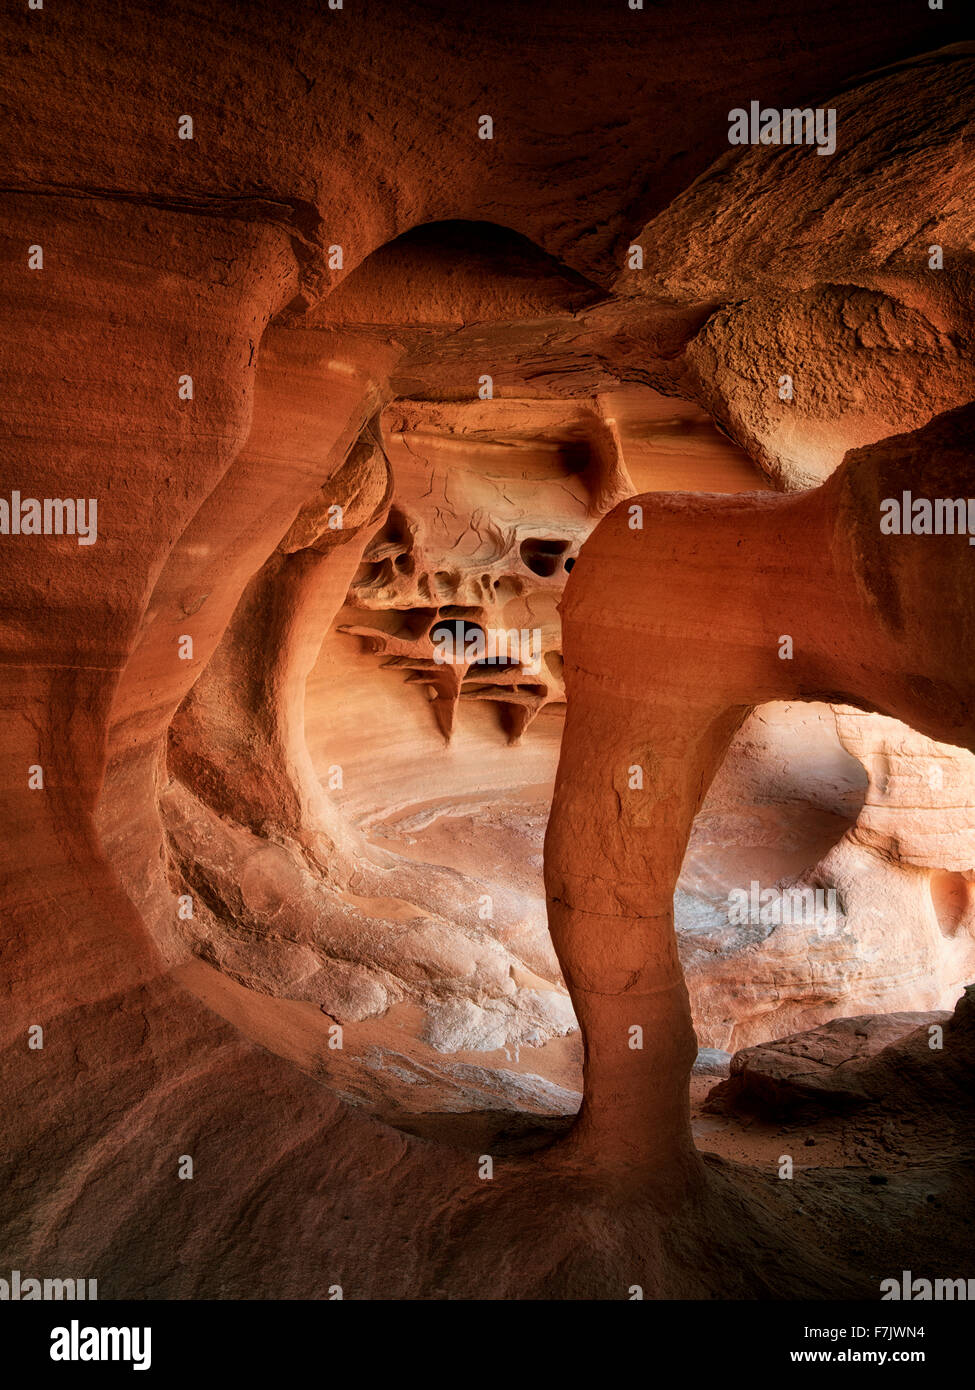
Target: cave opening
point(496, 703)
point(432, 758)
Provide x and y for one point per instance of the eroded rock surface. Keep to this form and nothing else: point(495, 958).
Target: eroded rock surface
point(252, 832)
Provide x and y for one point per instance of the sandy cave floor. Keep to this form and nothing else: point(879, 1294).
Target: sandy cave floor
point(386, 1068)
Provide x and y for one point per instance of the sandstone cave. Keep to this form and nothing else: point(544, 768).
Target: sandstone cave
point(488, 789)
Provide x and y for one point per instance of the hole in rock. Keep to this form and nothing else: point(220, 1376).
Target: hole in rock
point(953, 899)
point(421, 927)
point(450, 266)
point(543, 556)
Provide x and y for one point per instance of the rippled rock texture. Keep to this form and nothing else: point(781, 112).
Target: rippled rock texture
point(490, 699)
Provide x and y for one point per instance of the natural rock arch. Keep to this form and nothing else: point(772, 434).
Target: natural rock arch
point(875, 622)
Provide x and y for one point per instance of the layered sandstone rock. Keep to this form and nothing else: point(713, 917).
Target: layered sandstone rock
point(250, 832)
point(859, 625)
point(841, 287)
point(858, 832)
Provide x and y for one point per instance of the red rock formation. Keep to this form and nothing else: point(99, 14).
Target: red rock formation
point(431, 339)
point(655, 697)
point(825, 275)
point(867, 871)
